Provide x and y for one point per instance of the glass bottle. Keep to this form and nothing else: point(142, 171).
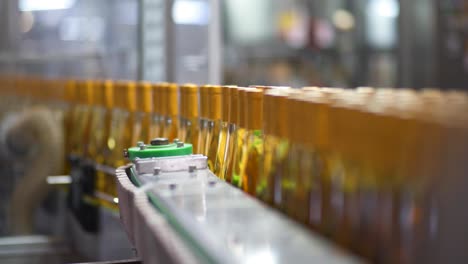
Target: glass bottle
point(80, 117)
point(94, 128)
point(204, 113)
point(263, 188)
point(157, 120)
point(69, 120)
point(232, 134)
point(121, 132)
point(191, 130)
point(171, 103)
point(254, 138)
point(214, 124)
point(182, 130)
point(291, 168)
point(220, 161)
point(240, 147)
point(142, 125)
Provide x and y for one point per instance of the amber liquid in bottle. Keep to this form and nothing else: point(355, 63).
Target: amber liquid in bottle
point(203, 140)
point(143, 116)
point(240, 139)
point(191, 129)
point(254, 137)
point(120, 132)
point(221, 153)
point(81, 115)
point(172, 118)
point(214, 125)
point(232, 134)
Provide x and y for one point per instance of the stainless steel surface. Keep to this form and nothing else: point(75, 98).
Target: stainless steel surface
point(216, 221)
point(170, 164)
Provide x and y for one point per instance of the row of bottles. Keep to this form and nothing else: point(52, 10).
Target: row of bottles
point(359, 166)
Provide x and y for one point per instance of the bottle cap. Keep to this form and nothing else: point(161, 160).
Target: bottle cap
point(130, 96)
point(144, 97)
point(172, 101)
point(183, 101)
point(204, 102)
point(242, 105)
point(89, 92)
point(157, 98)
point(109, 94)
point(234, 105)
point(254, 109)
point(268, 113)
point(215, 109)
point(70, 91)
point(80, 90)
point(191, 100)
point(99, 93)
point(226, 102)
point(163, 89)
point(119, 91)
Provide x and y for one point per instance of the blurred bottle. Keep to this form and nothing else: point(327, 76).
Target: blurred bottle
point(171, 102)
point(291, 169)
point(254, 137)
point(191, 129)
point(120, 132)
point(143, 116)
point(69, 119)
point(99, 149)
point(204, 114)
point(240, 147)
point(281, 144)
point(264, 189)
point(232, 133)
point(81, 116)
point(97, 123)
point(181, 131)
point(157, 115)
point(214, 125)
point(220, 161)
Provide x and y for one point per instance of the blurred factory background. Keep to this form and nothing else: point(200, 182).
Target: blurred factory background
point(381, 43)
point(297, 43)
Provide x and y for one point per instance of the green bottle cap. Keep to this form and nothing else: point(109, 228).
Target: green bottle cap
point(159, 147)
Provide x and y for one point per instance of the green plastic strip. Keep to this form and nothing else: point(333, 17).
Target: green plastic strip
point(160, 151)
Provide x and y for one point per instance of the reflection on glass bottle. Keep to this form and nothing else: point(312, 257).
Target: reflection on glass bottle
point(191, 128)
point(221, 153)
point(157, 111)
point(121, 132)
point(142, 125)
point(204, 113)
point(240, 147)
point(214, 124)
point(171, 102)
point(80, 118)
point(254, 137)
point(232, 134)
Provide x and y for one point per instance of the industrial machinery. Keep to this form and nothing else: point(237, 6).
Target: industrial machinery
point(176, 210)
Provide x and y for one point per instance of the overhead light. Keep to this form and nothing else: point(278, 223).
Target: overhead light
point(42, 5)
point(343, 20)
point(384, 8)
point(190, 12)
